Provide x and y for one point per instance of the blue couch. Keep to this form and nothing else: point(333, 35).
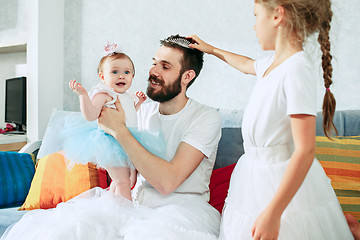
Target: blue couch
point(229, 151)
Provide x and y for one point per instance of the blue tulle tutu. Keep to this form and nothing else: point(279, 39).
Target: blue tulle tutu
point(84, 142)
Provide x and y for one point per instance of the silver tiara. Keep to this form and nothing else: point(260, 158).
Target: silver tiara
point(179, 41)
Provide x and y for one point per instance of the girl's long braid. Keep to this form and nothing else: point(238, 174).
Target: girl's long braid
point(329, 102)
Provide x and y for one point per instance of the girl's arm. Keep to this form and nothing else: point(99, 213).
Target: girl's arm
point(90, 109)
point(241, 63)
point(142, 98)
point(303, 130)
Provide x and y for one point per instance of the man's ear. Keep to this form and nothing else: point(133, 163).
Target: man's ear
point(279, 15)
point(188, 76)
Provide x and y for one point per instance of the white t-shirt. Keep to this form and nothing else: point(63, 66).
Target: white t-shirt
point(288, 89)
point(197, 125)
point(125, 99)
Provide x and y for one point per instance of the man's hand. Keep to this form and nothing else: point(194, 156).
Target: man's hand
point(111, 120)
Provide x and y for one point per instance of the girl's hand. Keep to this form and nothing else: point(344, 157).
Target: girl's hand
point(77, 87)
point(142, 97)
point(200, 45)
point(266, 226)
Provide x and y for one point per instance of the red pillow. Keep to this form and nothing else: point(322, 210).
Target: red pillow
point(219, 185)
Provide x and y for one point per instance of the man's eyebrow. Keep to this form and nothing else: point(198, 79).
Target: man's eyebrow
point(163, 61)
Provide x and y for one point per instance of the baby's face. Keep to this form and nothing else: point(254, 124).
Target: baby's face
point(117, 74)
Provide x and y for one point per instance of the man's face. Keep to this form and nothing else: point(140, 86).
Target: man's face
point(165, 75)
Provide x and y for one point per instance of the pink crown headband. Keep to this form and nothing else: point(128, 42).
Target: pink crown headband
point(111, 49)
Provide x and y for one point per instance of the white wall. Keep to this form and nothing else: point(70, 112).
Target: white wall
point(13, 22)
point(137, 26)
point(13, 32)
point(66, 38)
point(39, 24)
point(8, 61)
point(45, 56)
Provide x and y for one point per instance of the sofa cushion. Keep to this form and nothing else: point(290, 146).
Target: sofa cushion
point(340, 158)
point(219, 185)
point(16, 173)
point(347, 123)
point(230, 147)
point(54, 183)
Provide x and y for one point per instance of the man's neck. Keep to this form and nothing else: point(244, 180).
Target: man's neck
point(173, 106)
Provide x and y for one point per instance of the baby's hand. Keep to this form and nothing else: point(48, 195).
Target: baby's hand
point(200, 44)
point(77, 87)
point(142, 97)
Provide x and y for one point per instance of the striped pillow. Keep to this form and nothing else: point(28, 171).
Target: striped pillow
point(16, 173)
point(54, 183)
point(340, 158)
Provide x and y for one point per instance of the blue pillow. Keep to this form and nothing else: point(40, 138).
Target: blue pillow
point(16, 173)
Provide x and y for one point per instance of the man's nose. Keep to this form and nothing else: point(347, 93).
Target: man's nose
point(154, 71)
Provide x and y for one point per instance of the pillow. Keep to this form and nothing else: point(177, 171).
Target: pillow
point(340, 159)
point(54, 183)
point(219, 185)
point(230, 147)
point(51, 141)
point(16, 173)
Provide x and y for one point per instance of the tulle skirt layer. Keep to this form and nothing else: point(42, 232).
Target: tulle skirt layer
point(85, 142)
point(313, 213)
point(98, 214)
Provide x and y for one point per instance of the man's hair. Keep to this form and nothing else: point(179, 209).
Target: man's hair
point(192, 58)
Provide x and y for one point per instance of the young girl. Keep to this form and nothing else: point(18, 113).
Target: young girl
point(84, 142)
point(277, 189)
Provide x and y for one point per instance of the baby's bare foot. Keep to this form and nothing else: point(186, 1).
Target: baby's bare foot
point(119, 188)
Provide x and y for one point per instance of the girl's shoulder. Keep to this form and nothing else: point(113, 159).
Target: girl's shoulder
point(101, 88)
point(265, 59)
point(262, 64)
point(299, 64)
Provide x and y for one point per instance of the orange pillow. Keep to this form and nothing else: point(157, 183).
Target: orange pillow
point(340, 158)
point(54, 183)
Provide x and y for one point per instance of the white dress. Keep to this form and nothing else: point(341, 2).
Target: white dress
point(183, 214)
point(314, 211)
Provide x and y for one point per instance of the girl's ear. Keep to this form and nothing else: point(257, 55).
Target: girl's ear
point(101, 76)
point(279, 15)
point(188, 76)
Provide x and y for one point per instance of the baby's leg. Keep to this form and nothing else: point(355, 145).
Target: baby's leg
point(120, 184)
point(354, 226)
point(133, 177)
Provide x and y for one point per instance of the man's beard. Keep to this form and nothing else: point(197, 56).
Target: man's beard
point(166, 93)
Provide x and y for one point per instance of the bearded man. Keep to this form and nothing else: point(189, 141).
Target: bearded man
point(179, 185)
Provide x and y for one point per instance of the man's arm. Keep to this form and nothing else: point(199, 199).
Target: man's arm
point(165, 176)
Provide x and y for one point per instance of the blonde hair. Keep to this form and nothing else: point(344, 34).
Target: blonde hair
point(114, 56)
point(303, 18)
